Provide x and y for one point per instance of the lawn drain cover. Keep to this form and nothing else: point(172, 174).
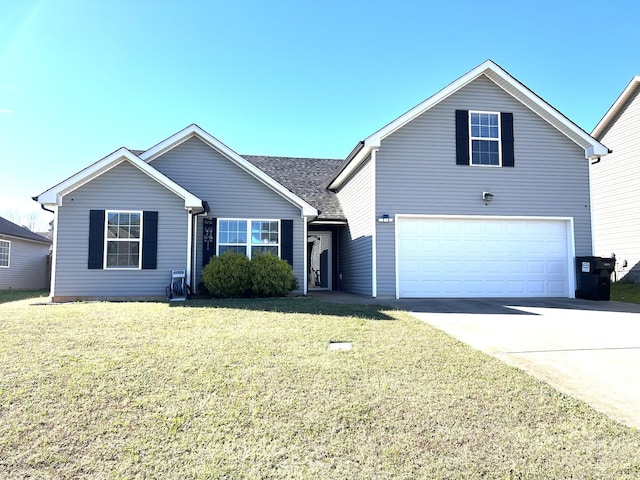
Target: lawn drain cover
point(344, 346)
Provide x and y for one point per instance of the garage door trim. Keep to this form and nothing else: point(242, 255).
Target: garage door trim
point(571, 281)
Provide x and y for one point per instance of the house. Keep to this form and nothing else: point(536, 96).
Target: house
point(480, 190)
point(616, 185)
point(24, 257)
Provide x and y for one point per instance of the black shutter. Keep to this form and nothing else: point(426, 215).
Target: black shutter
point(96, 239)
point(209, 239)
point(462, 137)
point(506, 127)
point(149, 240)
point(286, 237)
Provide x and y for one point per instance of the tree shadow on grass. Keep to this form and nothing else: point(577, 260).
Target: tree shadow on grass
point(304, 305)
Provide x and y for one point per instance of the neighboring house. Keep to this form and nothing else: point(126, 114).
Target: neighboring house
point(615, 185)
point(24, 258)
point(481, 190)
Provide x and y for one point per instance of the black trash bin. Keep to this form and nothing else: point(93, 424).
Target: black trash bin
point(593, 277)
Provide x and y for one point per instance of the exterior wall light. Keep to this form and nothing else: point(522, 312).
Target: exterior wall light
point(385, 219)
point(487, 196)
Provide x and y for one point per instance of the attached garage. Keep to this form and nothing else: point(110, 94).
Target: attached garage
point(454, 256)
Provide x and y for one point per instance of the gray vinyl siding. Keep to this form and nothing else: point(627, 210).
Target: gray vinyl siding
point(27, 265)
point(416, 173)
point(122, 188)
point(231, 193)
point(356, 239)
point(616, 193)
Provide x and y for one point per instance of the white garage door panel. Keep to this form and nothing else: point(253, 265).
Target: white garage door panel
point(468, 257)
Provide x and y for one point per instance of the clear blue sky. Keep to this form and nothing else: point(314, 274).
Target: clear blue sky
point(79, 79)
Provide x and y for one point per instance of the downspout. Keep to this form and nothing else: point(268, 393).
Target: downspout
point(305, 274)
point(374, 250)
point(54, 256)
point(194, 254)
point(54, 248)
point(591, 212)
point(43, 207)
point(192, 251)
point(190, 216)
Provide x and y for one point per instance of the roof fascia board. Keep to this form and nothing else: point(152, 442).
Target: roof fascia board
point(605, 123)
point(500, 77)
point(44, 241)
point(352, 166)
point(194, 130)
point(54, 195)
point(592, 147)
point(422, 107)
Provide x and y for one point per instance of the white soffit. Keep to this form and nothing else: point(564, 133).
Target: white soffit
point(54, 195)
point(603, 125)
point(509, 84)
point(514, 88)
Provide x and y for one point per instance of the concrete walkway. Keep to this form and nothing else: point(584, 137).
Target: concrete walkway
point(590, 350)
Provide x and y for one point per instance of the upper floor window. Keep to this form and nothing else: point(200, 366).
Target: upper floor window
point(485, 138)
point(5, 250)
point(123, 239)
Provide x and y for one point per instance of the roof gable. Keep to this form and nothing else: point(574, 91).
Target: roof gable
point(194, 130)
point(54, 195)
point(11, 229)
point(501, 78)
point(617, 108)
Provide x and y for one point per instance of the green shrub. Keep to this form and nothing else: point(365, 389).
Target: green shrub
point(271, 276)
point(227, 275)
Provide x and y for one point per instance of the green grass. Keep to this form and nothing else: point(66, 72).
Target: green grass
point(249, 389)
point(625, 292)
point(14, 295)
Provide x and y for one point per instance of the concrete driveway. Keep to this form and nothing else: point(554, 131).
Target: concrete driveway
point(587, 349)
point(590, 350)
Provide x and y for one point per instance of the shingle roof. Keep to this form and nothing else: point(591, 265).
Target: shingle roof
point(12, 230)
point(305, 177)
point(48, 235)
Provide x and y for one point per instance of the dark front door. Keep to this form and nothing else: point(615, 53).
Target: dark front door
point(319, 260)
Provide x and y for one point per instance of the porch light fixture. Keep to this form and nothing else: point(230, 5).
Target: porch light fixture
point(385, 219)
point(487, 196)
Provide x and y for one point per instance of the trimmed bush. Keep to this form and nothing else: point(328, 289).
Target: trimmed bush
point(227, 275)
point(271, 276)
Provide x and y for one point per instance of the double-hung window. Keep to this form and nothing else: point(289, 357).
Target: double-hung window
point(123, 242)
point(5, 252)
point(249, 237)
point(485, 138)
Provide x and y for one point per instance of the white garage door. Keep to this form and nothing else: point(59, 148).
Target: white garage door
point(482, 257)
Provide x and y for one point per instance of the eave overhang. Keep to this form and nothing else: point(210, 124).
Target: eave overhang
point(618, 106)
point(194, 130)
point(593, 149)
point(53, 197)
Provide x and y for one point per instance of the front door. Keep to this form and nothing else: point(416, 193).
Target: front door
point(319, 260)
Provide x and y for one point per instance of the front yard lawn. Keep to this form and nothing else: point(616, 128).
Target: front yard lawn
point(13, 295)
point(625, 292)
point(249, 389)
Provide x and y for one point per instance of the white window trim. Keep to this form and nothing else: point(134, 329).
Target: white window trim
point(248, 244)
point(472, 138)
point(8, 265)
point(106, 240)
